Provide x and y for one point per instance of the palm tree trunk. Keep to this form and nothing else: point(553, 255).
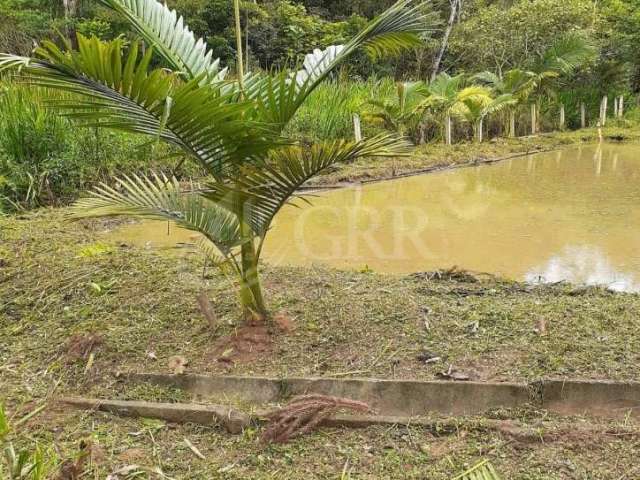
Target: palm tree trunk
point(534, 119)
point(603, 111)
point(251, 297)
point(512, 123)
point(562, 117)
point(615, 107)
point(583, 115)
point(455, 6)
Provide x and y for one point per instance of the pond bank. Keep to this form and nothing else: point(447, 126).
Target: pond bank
point(437, 157)
point(76, 313)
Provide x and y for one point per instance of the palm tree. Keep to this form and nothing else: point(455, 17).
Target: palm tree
point(481, 104)
point(232, 128)
point(445, 96)
point(402, 114)
point(560, 60)
point(518, 84)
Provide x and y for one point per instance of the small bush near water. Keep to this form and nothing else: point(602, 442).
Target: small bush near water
point(47, 160)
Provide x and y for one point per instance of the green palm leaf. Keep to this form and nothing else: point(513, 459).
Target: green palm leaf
point(120, 93)
point(159, 198)
point(482, 471)
point(171, 38)
point(402, 26)
point(262, 192)
point(566, 54)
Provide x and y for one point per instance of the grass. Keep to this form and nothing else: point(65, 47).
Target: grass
point(346, 323)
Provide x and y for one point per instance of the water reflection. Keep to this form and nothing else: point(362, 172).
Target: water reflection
point(583, 265)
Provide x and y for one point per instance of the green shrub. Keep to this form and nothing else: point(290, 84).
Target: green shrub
point(328, 113)
point(47, 160)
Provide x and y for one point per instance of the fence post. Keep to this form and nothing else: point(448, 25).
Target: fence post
point(357, 128)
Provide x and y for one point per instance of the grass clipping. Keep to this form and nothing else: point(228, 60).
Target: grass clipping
point(303, 414)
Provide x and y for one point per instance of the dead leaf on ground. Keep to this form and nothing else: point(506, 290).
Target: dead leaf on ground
point(132, 455)
point(178, 364)
point(73, 469)
point(453, 374)
point(81, 345)
point(284, 322)
point(541, 328)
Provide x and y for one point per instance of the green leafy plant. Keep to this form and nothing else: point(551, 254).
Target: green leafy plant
point(446, 97)
point(232, 128)
point(402, 114)
point(22, 464)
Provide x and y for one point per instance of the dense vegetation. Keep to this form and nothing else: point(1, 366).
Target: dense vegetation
point(44, 160)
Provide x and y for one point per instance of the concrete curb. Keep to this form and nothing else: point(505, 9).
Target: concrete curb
point(405, 398)
point(409, 398)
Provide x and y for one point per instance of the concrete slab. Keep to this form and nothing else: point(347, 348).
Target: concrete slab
point(387, 397)
point(601, 398)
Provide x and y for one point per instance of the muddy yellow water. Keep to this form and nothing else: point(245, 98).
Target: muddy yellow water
point(569, 215)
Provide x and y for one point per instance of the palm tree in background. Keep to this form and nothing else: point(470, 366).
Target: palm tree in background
point(232, 127)
point(478, 106)
point(518, 84)
point(402, 114)
point(446, 96)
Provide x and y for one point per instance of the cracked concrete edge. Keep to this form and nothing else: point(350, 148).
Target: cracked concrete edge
point(409, 398)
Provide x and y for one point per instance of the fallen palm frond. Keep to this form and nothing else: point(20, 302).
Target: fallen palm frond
point(482, 471)
point(305, 413)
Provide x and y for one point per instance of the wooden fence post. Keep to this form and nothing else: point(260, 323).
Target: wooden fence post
point(357, 128)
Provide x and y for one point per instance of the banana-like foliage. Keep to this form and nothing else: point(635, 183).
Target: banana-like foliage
point(482, 471)
point(167, 33)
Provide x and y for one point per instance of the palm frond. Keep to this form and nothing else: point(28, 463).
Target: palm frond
point(567, 53)
point(120, 93)
point(168, 34)
point(402, 26)
point(261, 192)
point(160, 198)
point(482, 471)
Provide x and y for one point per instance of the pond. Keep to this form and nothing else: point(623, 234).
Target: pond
point(568, 215)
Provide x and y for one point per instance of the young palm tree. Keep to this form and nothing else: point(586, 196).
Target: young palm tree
point(403, 114)
point(479, 105)
point(519, 84)
point(566, 55)
point(560, 60)
point(445, 96)
point(232, 128)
